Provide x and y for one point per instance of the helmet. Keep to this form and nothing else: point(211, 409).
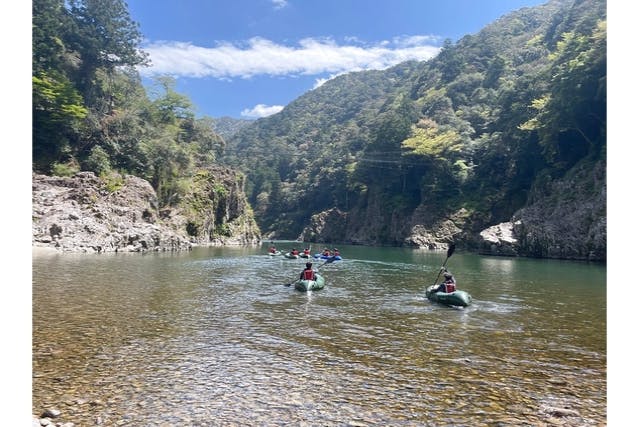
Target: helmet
point(309, 265)
point(448, 275)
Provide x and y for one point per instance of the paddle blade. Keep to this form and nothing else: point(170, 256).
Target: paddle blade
point(451, 249)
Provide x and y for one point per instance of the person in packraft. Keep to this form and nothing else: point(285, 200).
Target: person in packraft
point(336, 252)
point(308, 273)
point(449, 284)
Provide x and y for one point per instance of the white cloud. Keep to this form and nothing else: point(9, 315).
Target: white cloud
point(319, 82)
point(261, 110)
point(421, 40)
point(322, 80)
point(279, 4)
point(259, 56)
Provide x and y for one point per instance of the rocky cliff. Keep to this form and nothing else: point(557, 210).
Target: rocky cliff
point(215, 210)
point(86, 213)
point(564, 218)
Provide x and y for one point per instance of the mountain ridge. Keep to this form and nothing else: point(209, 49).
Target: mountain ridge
point(467, 134)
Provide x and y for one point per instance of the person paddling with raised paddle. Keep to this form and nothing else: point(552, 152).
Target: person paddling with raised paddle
point(433, 288)
point(449, 284)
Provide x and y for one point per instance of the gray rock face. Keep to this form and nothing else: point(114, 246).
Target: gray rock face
point(328, 226)
point(81, 214)
point(564, 219)
point(500, 239)
point(84, 213)
point(434, 232)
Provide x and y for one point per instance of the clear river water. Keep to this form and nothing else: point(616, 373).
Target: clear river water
point(212, 337)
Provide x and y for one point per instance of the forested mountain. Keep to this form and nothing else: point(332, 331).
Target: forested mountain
point(496, 123)
point(501, 138)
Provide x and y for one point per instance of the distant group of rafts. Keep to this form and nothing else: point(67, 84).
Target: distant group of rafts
point(310, 280)
point(306, 253)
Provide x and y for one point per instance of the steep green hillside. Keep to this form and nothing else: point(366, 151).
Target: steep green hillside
point(476, 128)
point(301, 161)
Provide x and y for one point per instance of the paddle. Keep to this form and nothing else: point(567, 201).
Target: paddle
point(450, 251)
point(328, 261)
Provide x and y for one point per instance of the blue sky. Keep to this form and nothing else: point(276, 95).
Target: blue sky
point(249, 58)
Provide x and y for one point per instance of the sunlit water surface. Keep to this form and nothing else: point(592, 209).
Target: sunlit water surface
point(213, 337)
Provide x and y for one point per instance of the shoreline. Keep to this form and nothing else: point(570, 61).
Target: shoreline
point(37, 250)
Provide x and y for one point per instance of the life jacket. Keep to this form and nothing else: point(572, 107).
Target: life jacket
point(450, 287)
point(307, 251)
point(308, 274)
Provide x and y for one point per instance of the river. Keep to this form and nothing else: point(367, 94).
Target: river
point(212, 337)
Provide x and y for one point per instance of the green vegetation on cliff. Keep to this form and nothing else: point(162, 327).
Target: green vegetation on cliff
point(474, 128)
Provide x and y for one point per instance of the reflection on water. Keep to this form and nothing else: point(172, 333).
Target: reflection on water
point(501, 266)
point(212, 337)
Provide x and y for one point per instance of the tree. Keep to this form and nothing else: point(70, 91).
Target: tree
point(49, 20)
point(122, 131)
point(57, 107)
point(570, 119)
point(79, 49)
point(208, 145)
point(171, 106)
point(57, 115)
point(106, 37)
point(450, 60)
